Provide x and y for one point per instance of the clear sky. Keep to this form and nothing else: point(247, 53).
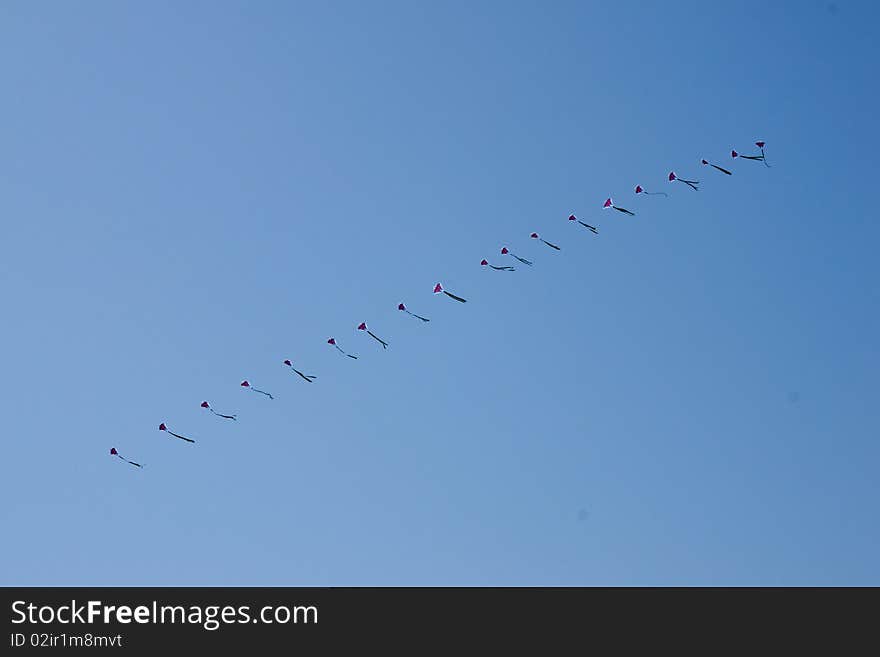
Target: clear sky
point(192, 192)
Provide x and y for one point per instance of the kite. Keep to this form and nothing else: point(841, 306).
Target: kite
point(721, 169)
point(485, 263)
point(439, 288)
point(760, 144)
point(610, 204)
point(363, 327)
point(759, 158)
point(162, 427)
point(690, 183)
point(113, 452)
point(504, 251)
point(205, 404)
point(571, 217)
point(535, 236)
point(641, 190)
point(339, 349)
point(307, 377)
point(402, 308)
point(246, 384)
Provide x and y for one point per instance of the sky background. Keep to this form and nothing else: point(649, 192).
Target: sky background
point(192, 192)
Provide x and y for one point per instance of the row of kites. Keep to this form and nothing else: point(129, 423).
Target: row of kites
point(439, 289)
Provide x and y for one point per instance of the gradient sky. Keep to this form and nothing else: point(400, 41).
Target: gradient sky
point(192, 192)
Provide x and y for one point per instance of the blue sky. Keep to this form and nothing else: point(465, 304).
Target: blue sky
point(192, 192)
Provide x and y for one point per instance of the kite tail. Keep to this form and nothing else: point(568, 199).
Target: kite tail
point(655, 193)
point(523, 260)
point(227, 417)
point(592, 228)
point(624, 210)
point(690, 183)
point(452, 296)
point(764, 159)
point(339, 349)
point(503, 268)
point(263, 392)
point(378, 339)
point(552, 246)
point(177, 435)
point(752, 157)
point(307, 377)
point(127, 461)
point(424, 319)
point(722, 170)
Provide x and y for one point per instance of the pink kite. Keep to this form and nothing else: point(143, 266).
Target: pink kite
point(485, 263)
point(571, 217)
point(535, 236)
point(759, 158)
point(505, 251)
point(207, 406)
point(332, 341)
point(402, 308)
point(363, 327)
point(113, 452)
point(641, 190)
point(307, 377)
point(690, 183)
point(246, 384)
point(721, 169)
point(439, 288)
point(610, 204)
point(162, 427)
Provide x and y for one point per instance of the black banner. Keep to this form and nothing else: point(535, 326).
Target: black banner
point(148, 620)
